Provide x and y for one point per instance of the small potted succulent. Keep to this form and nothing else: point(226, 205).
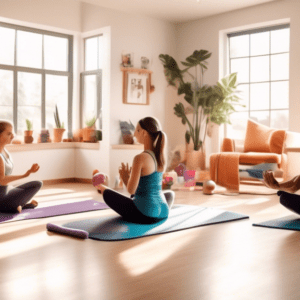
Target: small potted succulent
point(89, 131)
point(59, 130)
point(28, 139)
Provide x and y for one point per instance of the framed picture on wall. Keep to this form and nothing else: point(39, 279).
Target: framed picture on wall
point(136, 86)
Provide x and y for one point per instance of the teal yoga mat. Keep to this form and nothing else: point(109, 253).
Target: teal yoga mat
point(114, 228)
point(290, 223)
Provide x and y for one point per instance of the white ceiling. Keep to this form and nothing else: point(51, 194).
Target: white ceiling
point(176, 11)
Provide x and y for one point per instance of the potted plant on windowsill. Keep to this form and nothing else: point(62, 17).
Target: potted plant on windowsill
point(59, 130)
point(207, 104)
point(89, 131)
point(28, 139)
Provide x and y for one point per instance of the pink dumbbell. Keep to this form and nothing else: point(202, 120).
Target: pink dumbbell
point(98, 178)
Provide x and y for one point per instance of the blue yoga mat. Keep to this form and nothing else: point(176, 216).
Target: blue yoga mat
point(290, 223)
point(114, 228)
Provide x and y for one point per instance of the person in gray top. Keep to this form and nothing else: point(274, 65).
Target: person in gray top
point(15, 199)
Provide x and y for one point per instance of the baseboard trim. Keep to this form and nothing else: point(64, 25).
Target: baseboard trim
point(66, 180)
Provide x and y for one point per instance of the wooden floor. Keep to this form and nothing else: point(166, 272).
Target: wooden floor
point(232, 260)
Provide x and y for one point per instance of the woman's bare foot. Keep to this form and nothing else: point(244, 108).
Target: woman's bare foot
point(32, 204)
point(19, 208)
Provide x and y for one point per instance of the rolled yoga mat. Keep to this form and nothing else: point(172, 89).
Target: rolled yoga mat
point(114, 228)
point(56, 210)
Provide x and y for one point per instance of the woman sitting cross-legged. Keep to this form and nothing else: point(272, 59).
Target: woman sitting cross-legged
point(15, 199)
point(148, 203)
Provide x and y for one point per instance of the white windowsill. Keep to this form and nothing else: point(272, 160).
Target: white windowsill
point(128, 147)
point(46, 146)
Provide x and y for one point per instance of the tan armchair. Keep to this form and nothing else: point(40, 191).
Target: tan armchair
point(262, 144)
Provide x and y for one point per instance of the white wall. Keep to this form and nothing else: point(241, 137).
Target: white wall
point(204, 34)
point(142, 36)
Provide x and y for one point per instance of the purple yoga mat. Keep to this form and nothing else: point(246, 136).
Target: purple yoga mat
point(56, 210)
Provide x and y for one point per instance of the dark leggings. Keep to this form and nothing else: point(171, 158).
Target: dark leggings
point(125, 207)
point(20, 195)
point(290, 201)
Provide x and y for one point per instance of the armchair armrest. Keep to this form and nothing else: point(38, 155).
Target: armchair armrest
point(232, 145)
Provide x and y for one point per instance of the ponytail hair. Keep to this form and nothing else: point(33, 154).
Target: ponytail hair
point(158, 138)
point(4, 124)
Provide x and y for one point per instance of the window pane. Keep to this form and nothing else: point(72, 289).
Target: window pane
point(29, 89)
point(29, 49)
point(6, 113)
point(33, 113)
point(241, 67)
point(244, 95)
point(262, 117)
point(280, 119)
point(259, 67)
point(259, 96)
point(280, 40)
point(101, 51)
point(239, 123)
point(6, 87)
point(280, 94)
point(91, 54)
point(56, 93)
point(239, 46)
point(56, 53)
point(280, 66)
point(7, 49)
point(259, 43)
point(90, 97)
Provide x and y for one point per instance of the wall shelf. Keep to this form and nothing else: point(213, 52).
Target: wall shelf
point(128, 147)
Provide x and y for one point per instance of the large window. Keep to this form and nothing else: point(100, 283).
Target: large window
point(35, 75)
point(91, 80)
point(261, 59)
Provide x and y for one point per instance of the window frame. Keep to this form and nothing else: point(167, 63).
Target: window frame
point(253, 31)
point(99, 73)
point(43, 72)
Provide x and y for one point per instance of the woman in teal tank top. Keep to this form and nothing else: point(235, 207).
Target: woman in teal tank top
point(148, 203)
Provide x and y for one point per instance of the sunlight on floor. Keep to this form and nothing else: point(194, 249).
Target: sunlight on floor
point(28, 242)
point(142, 258)
point(258, 201)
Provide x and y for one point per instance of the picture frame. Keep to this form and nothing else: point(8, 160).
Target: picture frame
point(136, 86)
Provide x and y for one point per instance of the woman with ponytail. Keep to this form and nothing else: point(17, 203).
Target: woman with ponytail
point(148, 203)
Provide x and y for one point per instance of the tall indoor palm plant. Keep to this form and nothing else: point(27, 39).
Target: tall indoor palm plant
point(206, 103)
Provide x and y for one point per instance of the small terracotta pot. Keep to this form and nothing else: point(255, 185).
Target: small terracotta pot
point(28, 132)
point(58, 134)
point(28, 139)
point(88, 134)
point(128, 139)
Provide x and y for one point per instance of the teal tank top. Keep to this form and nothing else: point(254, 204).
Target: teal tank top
point(149, 198)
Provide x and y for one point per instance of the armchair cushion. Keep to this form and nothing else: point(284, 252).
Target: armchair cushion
point(257, 137)
point(255, 158)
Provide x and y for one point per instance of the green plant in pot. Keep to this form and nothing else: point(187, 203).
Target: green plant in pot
point(59, 130)
point(89, 132)
point(207, 104)
point(28, 139)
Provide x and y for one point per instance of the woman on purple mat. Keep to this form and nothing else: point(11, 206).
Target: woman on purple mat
point(14, 199)
point(148, 203)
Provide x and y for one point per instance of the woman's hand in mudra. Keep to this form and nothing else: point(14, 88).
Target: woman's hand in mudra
point(34, 168)
point(124, 172)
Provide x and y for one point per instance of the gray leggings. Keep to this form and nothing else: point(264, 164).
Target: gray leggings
point(125, 207)
point(20, 195)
